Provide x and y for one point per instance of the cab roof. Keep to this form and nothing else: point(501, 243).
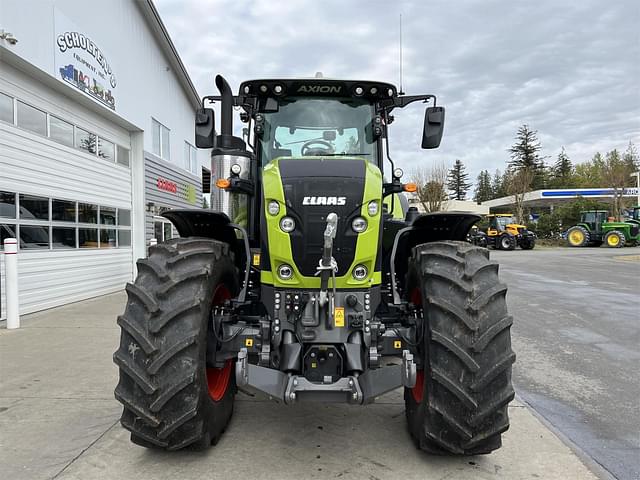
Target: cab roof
point(318, 87)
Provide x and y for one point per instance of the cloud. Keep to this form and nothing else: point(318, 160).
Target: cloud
point(568, 69)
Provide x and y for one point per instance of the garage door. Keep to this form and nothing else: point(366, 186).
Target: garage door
point(65, 193)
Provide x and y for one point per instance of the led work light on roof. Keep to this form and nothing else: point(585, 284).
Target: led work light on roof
point(247, 89)
point(359, 90)
point(273, 207)
point(373, 90)
point(263, 88)
point(277, 89)
point(390, 92)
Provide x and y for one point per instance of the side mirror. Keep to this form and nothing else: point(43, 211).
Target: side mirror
point(433, 127)
point(205, 128)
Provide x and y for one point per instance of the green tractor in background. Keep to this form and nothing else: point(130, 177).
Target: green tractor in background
point(594, 229)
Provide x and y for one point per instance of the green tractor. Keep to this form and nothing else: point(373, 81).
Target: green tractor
point(595, 229)
point(310, 280)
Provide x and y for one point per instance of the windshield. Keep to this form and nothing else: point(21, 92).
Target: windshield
point(307, 127)
point(504, 221)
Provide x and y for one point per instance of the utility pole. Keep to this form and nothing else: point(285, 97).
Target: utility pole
point(637, 175)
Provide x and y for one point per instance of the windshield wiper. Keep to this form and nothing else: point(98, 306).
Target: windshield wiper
point(342, 154)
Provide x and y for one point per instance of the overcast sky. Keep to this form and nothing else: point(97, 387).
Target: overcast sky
point(571, 70)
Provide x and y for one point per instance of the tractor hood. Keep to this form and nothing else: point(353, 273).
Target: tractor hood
point(308, 189)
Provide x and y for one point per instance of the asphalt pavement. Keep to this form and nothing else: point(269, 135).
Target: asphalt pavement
point(577, 338)
point(575, 346)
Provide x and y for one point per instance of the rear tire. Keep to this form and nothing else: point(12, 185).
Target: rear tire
point(578, 236)
point(528, 243)
point(459, 403)
point(615, 239)
point(168, 402)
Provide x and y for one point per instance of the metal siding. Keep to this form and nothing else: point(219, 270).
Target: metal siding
point(36, 165)
point(154, 168)
point(51, 278)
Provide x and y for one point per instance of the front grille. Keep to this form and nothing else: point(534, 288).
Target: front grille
point(307, 239)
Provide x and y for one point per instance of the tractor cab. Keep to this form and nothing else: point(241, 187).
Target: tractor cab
point(593, 219)
point(503, 223)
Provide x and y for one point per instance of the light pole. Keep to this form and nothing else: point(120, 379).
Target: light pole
point(637, 175)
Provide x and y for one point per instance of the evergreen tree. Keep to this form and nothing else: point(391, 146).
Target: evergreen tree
point(458, 181)
point(498, 186)
point(525, 156)
point(562, 171)
point(483, 191)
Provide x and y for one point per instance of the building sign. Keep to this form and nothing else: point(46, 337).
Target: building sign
point(185, 191)
point(587, 192)
point(80, 62)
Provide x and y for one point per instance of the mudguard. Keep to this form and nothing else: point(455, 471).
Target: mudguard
point(428, 227)
point(216, 225)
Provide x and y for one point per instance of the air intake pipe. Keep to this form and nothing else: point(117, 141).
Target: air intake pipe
point(226, 140)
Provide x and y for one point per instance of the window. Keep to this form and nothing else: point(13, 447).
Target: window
point(124, 238)
point(106, 149)
point(6, 108)
point(330, 127)
point(190, 158)
point(63, 237)
point(160, 141)
point(122, 156)
point(85, 140)
point(108, 238)
point(60, 131)
point(63, 211)
point(87, 213)
point(7, 230)
point(34, 208)
point(124, 217)
point(32, 119)
point(107, 216)
point(88, 237)
point(34, 237)
point(7, 204)
point(167, 232)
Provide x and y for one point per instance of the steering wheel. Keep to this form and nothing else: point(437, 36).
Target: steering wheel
point(307, 150)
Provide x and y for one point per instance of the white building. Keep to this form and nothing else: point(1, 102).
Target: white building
point(96, 139)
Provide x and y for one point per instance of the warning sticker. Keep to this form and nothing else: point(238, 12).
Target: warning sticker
point(256, 259)
point(338, 316)
point(397, 344)
point(248, 342)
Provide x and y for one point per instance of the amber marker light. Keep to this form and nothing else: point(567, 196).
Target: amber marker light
point(410, 187)
point(223, 183)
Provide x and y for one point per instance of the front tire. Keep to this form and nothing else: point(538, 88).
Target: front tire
point(528, 243)
point(459, 403)
point(172, 399)
point(507, 242)
point(615, 239)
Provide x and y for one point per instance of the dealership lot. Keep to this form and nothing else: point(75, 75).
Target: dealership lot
point(575, 333)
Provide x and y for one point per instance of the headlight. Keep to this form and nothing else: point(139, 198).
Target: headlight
point(398, 173)
point(236, 169)
point(287, 224)
point(359, 224)
point(274, 207)
point(373, 208)
point(360, 272)
point(285, 272)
